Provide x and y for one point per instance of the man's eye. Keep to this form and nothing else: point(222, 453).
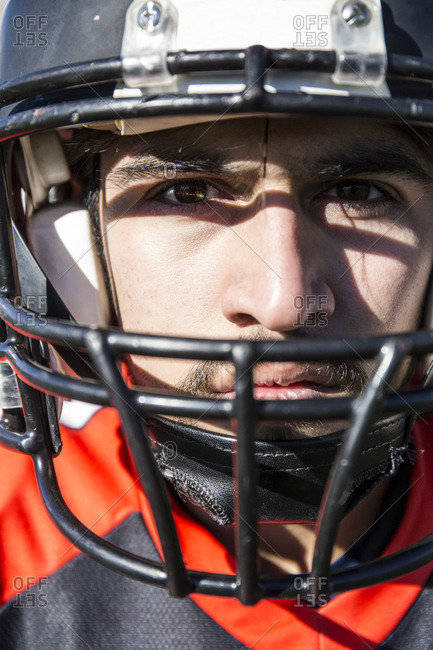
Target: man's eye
point(188, 192)
point(355, 191)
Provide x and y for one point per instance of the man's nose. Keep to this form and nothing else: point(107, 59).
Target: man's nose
point(277, 273)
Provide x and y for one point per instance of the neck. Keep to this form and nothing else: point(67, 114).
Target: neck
point(289, 548)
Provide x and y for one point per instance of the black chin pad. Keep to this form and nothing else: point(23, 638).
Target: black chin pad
point(292, 475)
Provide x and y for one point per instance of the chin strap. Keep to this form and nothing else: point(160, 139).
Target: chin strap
point(292, 475)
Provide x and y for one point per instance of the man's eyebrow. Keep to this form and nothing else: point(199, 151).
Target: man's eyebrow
point(166, 163)
point(370, 161)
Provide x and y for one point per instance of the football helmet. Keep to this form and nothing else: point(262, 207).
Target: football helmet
point(136, 66)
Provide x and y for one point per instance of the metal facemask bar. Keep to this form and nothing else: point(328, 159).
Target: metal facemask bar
point(104, 347)
point(38, 435)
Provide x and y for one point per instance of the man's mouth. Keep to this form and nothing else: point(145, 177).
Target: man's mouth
point(284, 384)
point(297, 390)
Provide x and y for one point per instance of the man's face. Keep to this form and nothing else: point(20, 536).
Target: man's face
point(268, 229)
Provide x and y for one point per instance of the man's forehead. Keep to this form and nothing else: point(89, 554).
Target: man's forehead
point(217, 132)
point(225, 136)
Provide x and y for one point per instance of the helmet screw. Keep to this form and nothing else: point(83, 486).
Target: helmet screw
point(149, 15)
point(356, 14)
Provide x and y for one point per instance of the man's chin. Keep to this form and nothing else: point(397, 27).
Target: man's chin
point(270, 431)
point(299, 430)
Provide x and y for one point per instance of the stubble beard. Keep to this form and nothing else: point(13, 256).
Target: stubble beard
point(351, 379)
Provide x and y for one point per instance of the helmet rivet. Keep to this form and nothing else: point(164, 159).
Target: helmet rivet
point(356, 14)
point(149, 15)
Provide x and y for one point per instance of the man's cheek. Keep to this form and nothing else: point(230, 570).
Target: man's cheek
point(158, 372)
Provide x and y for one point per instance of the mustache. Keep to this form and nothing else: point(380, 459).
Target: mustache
point(349, 377)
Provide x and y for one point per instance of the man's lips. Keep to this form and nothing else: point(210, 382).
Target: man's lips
point(282, 381)
point(296, 390)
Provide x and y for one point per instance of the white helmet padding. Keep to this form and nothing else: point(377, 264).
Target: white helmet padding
point(45, 163)
point(60, 234)
point(60, 237)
